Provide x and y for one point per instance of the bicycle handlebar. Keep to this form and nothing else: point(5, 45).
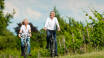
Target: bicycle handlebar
point(25, 35)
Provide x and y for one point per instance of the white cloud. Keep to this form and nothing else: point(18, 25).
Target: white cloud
point(75, 8)
point(9, 8)
point(33, 13)
point(33, 9)
point(71, 5)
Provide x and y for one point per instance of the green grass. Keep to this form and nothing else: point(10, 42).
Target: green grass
point(99, 54)
point(14, 53)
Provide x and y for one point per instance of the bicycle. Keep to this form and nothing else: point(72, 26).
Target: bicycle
point(24, 37)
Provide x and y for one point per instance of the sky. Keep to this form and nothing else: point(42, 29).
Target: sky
point(38, 10)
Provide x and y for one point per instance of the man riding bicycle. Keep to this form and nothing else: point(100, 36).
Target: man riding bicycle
point(50, 27)
point(25, 29)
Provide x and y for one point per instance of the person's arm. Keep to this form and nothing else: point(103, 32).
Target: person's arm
point(46, 23)
point(20, 31)
point(30, 31)
point(57, 23)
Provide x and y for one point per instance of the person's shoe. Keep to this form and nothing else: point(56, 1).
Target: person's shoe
point(56, 54)
point(47, 47)
point(22, 55)
point(30, 55)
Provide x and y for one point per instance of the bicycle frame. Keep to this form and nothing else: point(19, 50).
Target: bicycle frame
point(24, 37)
point(25, 48)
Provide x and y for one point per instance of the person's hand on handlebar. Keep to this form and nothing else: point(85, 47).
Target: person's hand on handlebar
point(59, 29)
point(45, 28)
point(19, 35)
point(30, 35)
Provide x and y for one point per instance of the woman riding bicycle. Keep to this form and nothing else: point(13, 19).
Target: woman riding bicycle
point(25, 29)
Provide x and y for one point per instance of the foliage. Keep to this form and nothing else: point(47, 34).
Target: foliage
point(74, 37)
point(33, 28)
point(7, 39)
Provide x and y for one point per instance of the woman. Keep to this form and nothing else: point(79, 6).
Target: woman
point(25, 29)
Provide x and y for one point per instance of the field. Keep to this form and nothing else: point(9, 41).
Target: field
point(16, 54)
point(87, 55)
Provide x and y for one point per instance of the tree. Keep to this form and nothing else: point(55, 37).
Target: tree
point(4, 19)
point(7, 39)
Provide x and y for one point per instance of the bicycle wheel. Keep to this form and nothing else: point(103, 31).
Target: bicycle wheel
point(25, 50)
point(52, 47)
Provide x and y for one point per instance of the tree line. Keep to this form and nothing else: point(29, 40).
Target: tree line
point(75, 37)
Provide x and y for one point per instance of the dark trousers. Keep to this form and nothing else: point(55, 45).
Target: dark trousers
point(49, 33)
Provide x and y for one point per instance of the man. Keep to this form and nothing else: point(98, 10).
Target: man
point(50, 27)
point(25, 29)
